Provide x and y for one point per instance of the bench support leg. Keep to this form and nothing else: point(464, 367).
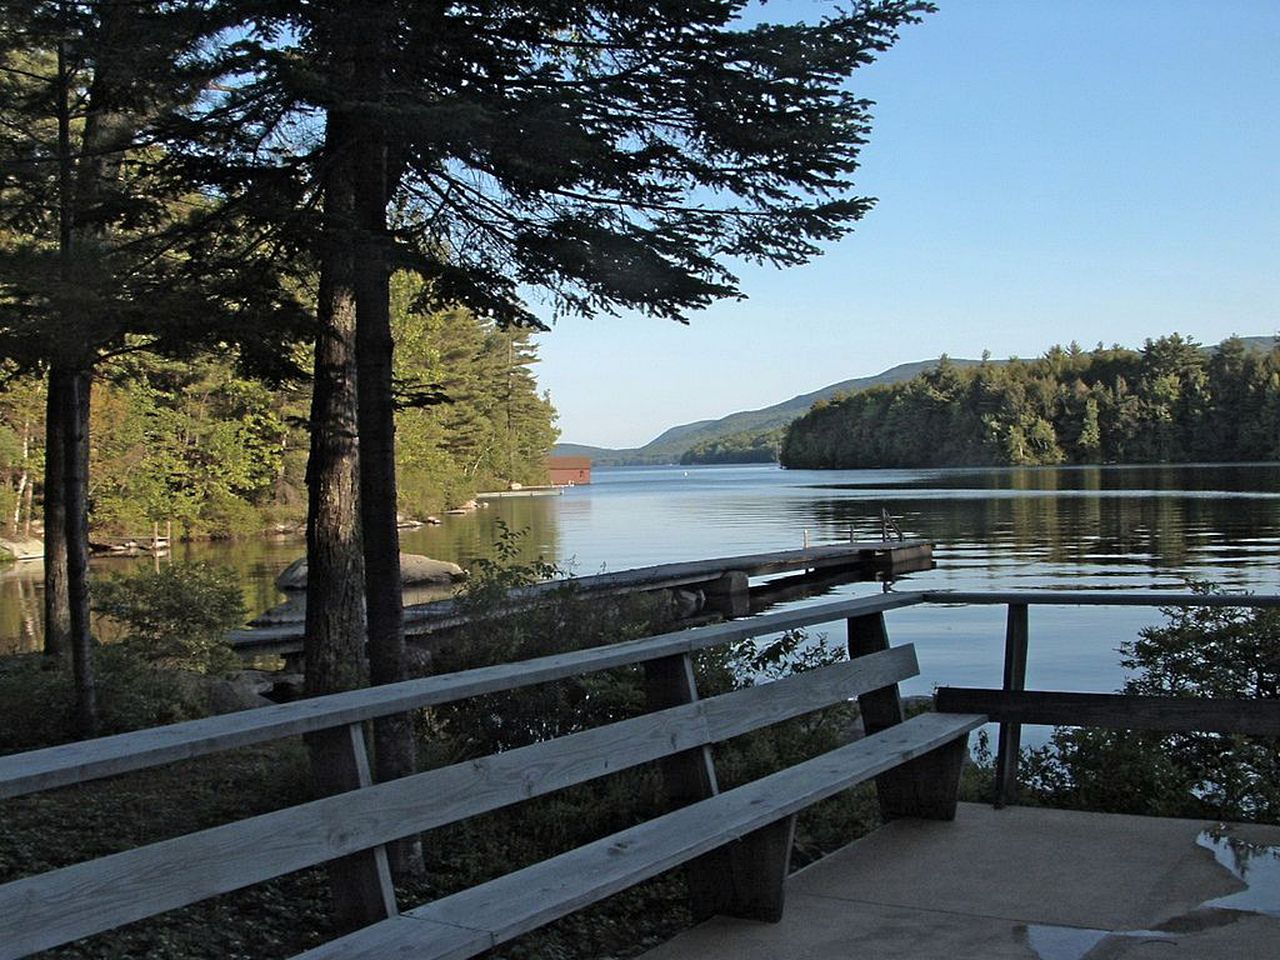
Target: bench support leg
point(688, 777)
point(926, 787)
point(361, 883)
point(759, 864)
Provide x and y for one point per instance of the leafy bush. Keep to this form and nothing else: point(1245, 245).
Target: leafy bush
point(1231, 652)
point(36, 698)
point(176, 616)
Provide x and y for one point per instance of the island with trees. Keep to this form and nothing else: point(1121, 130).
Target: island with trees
point(1172, 401)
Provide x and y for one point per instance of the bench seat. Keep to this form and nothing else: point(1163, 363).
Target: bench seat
point(474, 920)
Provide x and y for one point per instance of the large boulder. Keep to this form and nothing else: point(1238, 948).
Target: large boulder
point(414, 570)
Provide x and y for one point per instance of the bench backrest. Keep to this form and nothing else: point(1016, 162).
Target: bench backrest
point(53, 908)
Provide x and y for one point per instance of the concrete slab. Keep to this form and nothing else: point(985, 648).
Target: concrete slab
point(1022, 883)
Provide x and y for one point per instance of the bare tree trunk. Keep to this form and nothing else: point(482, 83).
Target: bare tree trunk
point(23, 493)
point(30, 498)
point(335, 624)
point(396, 752)
point(57, 603)
point(77, 530)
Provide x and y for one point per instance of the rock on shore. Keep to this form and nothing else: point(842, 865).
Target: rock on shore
point(415, 570)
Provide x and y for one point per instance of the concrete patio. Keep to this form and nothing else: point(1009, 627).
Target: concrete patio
point(1022, 883)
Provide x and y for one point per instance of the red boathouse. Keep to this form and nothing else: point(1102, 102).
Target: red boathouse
point(569, 471)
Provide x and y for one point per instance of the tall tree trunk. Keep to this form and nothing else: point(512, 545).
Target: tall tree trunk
point(57, 603)
point(76, 459)
point(335, 624)
point(396, 753)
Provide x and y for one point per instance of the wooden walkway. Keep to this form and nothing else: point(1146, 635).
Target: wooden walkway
point(727, 576)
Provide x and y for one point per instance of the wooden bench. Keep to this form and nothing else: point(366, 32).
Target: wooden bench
point(736, 843)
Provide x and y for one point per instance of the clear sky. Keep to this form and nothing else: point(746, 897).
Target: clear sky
point(1047, 171)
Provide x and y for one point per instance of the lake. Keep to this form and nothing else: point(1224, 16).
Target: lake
point(1100, 528)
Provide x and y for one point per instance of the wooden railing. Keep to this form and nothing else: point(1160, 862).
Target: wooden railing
point(1012, 705)
point(914, 762)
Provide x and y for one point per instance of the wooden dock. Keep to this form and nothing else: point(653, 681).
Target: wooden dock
point(724, 582)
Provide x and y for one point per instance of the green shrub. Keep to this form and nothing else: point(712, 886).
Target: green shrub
point(36, 698)
point(177, 616)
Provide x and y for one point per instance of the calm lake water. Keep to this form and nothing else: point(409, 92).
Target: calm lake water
point(1108, 528)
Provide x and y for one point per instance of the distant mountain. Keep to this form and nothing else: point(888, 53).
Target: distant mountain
point(670, 445)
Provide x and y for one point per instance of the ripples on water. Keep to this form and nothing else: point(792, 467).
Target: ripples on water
point(1105, 528)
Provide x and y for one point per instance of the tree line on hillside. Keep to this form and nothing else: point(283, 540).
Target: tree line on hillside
point(247, 176)
point(1172, 401)
point(198, 444)
point(745, 446)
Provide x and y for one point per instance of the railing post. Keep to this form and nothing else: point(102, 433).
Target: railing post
point(880, 708)
point(688, 776)
point(927, 786)
point(1015, 678)
point(362, 889)
point(744, 879)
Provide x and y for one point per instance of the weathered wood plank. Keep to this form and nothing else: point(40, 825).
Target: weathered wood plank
point(52, 908)
point(1009, 742)
point(1101, 598)
point(732, 714)
point(521, 901)
point(1117, 711)
point(78, 762)
point(402, 938)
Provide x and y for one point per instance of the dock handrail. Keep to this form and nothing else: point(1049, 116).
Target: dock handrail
point(1012, 705)
point(915, 761)
point(88, 760)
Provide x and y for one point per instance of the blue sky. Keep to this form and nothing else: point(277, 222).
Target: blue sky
point(1046, 172)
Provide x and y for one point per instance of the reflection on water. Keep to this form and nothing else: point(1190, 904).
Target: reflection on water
point(1256, 865)
point(1000, 528)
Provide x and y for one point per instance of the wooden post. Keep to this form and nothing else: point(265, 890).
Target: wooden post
point(730, 595)
point(744, 879)
point(758, 868)
point(1015, 678)
point(927, 786)
point(688, 777)
point(880, 708)
point(361, 883)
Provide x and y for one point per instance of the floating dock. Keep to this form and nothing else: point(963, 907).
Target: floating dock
point(724, 584)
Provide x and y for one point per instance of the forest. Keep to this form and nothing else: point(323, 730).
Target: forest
point(199, 444)
point(1173, 401)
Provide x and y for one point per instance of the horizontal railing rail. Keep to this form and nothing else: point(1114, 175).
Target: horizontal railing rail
point(1098, 598)
point(91, 759)
point(1012, 705)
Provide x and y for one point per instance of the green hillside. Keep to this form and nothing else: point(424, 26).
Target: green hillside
point(752, 436)
point(671, 445)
